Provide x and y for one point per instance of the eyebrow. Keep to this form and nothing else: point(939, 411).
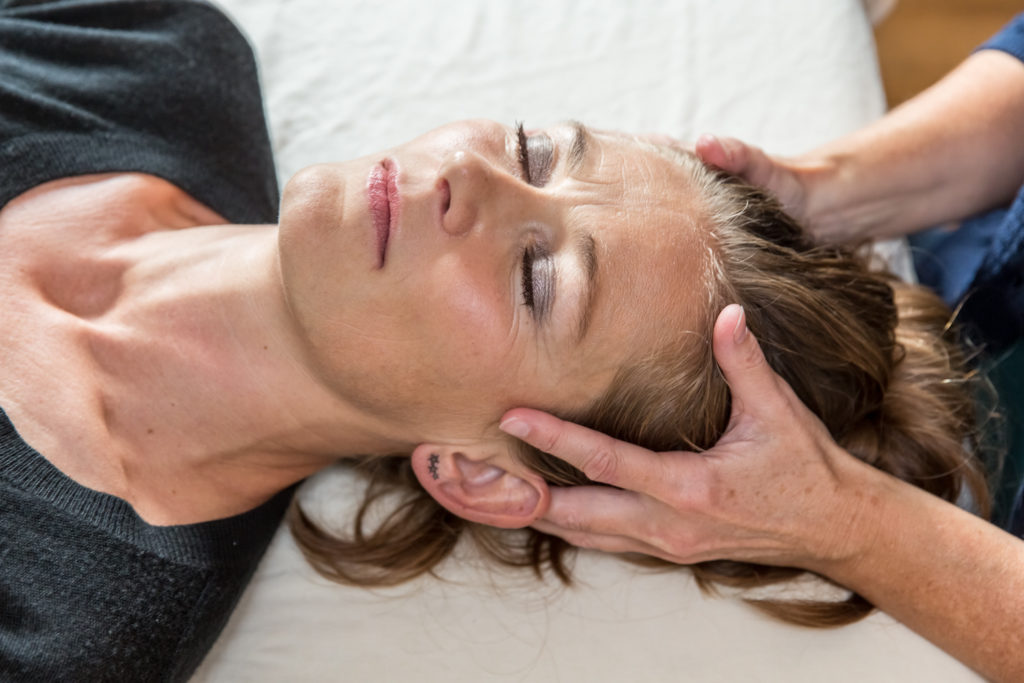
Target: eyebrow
point(577, 153)
point(587, 250)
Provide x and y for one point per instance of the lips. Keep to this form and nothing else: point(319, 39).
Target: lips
point(382, 196)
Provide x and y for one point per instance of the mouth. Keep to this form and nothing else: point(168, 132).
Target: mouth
point(383, 199)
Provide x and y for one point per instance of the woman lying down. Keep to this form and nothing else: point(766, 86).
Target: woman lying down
point(584, 271)
point(175, 358)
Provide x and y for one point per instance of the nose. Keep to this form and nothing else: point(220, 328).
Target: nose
point(477, 191)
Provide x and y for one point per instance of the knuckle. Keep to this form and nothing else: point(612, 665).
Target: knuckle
point(751, 357)
point(552, 441)
point(697, 498)
point(686, 494)
point(602, 464)
point(574, 522)
point(560, 441)
point(679, 546)
point(679, 499)
point(674, 541)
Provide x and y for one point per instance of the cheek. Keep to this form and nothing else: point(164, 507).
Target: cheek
point(448, 355)
point(471, 317)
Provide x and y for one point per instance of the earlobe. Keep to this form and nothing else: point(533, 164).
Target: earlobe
point(467, 483)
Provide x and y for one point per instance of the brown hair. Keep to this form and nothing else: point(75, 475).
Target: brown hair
point(871, 356)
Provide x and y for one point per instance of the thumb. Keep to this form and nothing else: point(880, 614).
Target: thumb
point(751, 380)
point(727, 154)
point(737, 157)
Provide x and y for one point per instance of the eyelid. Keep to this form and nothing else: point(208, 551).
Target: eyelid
point(536, 155)
point(544, 299)
point(541, 158)
point(538, 280)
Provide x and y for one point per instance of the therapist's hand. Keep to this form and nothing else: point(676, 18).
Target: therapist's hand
point(776, 489)
point(792, 181)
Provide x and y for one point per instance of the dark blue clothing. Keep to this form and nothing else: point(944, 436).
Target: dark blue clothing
point(88, 590)
point(980, 267)
point(981, 264)
point(164, 87)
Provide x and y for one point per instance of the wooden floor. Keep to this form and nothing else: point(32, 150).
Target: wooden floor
point(923, 39)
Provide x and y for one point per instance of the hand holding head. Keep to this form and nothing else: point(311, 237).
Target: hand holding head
point(755, 496)
point(785, 179)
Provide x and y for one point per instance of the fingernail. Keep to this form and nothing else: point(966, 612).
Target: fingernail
point(727, 147)
point(707, 137)
point(515, 427)
point(739, 333)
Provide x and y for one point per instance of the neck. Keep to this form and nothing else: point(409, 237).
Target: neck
point(204, 378)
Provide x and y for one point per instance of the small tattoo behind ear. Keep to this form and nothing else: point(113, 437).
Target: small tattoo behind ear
point(432, 468)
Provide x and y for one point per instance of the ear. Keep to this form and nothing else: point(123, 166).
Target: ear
point(466, 481)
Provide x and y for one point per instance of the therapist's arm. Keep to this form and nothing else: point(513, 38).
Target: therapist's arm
point(777, 490)
point(950, 152)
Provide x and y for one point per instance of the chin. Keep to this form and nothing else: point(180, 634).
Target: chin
point(312, 215)
point(314, 197)
point(313, 244)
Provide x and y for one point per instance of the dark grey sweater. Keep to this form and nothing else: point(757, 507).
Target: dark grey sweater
point(89, 591)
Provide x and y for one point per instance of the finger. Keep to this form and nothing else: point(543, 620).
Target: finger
point(605, 542)
point(710, 150)
point(615, 512)
point(600, 457)
point(598, 509)
point(754, 385)
point(736, 157)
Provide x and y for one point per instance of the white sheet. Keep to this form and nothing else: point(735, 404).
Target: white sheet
point(344, 79)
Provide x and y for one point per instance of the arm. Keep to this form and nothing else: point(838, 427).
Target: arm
point(948, 575)
point(791, 496)
point(952, 151)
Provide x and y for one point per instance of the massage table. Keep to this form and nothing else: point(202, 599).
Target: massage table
point(346, 79)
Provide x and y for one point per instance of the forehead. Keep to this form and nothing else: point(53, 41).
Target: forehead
point(646, 216)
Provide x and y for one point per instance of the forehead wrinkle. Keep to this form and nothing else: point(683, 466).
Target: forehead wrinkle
point(675, 252)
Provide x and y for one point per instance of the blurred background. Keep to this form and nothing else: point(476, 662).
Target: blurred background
point(921, 40)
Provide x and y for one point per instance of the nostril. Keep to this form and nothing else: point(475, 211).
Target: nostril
point(446, 195)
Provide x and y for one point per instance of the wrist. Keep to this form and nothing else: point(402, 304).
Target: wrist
point(849, 530)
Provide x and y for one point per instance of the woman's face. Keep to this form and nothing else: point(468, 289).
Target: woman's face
point(472, 270)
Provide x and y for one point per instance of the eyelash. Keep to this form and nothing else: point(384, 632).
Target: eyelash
point(524, 155)
point(529, 254)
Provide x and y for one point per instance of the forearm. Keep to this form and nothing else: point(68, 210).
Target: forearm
point(948, 575)
point(950, 152)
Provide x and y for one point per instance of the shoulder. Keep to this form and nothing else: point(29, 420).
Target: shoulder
point(100, 207)
point(164, 87)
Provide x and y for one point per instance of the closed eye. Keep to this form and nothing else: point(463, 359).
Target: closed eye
point(528, 256)
point(536, 156)
point(538, 280)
